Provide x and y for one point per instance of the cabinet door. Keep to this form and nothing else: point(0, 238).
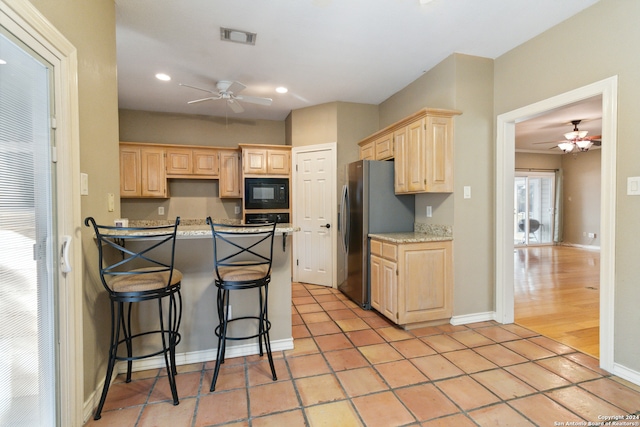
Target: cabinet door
point(384, 147)
point(416, 157)
point(439, 150)
point(426, 278)
point(390, 289)
point(230, 174)
point(179, 161)
point(279, 162)
point(375, 277)
point(400, 154)
point(254, 161)
point(367, 151)
point(206, 162)
point(130, 179)
point(154, 178)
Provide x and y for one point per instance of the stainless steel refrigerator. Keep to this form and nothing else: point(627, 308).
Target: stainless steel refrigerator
point(369, 205)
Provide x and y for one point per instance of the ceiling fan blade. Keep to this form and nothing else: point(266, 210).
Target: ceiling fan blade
point(255, 100)
point(236, 88)
point(235, 106)
point(548, 142)
point(198, 88)
point(211, 98)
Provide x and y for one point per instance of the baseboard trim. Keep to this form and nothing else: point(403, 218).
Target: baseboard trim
point(626, 374)
point(181, 359)
point(473, 318)
point(575, 245)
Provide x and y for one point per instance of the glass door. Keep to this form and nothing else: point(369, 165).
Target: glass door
point(27, 239)
point(534, 208)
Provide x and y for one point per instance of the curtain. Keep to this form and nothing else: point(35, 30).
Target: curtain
point(558, 222)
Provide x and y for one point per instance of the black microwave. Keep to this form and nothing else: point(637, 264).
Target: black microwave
point(266, 193)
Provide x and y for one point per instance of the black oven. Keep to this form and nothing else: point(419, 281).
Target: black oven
point(266, 193)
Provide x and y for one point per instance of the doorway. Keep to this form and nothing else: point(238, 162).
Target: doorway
point(314, 211)
point(534, 209)
point(40, 154)
point(505, 161)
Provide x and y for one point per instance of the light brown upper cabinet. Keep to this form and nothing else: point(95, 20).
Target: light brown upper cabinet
point(425, 162)
point(193, 163)
point(230, 174)
point(266, 159)
point(377, 147)
point(367, 150)
point(422, 148)
point(142, 171)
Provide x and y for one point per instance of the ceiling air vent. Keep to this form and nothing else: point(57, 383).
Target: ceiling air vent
point(237, 36)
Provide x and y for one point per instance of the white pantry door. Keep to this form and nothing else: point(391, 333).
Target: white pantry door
point(315, 176)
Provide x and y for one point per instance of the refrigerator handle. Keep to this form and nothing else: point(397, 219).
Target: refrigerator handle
point(344, 218)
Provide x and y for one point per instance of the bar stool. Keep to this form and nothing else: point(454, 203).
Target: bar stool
point(132, 276)
point(242, 257)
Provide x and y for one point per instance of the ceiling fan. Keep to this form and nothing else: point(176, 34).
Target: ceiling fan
point(229, 91)
point(576, 140)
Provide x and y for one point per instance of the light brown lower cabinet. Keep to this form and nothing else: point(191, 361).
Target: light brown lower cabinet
point(412, 283)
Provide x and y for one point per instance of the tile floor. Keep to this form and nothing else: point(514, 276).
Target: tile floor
point(350, 367)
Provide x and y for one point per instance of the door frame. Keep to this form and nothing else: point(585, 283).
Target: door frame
point(35, 31)
point(332, 148)
point(505, 172)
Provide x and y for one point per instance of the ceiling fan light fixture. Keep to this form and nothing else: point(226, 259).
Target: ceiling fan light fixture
point(576, 134)
point(566, 146)
point(237, 36)
point(584, 144)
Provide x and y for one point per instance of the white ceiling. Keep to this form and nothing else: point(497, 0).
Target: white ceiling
point(360, 51)
point(545, 132)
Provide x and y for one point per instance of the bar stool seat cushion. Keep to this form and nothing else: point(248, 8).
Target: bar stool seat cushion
point(243, 273)
point(143, 282)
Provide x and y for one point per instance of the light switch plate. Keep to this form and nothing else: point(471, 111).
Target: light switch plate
point(84, 184)
point(633, 186)
point(111, 202)
point(467, 191)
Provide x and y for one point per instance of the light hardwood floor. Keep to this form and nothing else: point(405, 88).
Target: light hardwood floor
point(557, 294)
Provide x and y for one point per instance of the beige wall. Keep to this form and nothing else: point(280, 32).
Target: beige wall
point(90, 27)
point(340, 122)
point(538, 161)
point(581, 197)
point(167, 128)
point(547, 66)
point(192, 199)
point(464, 83)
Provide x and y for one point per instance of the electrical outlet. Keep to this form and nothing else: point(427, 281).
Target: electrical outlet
point(111, 202)
point(592, 235)
point(237, 209)
point(429, 212)
point(161, 210)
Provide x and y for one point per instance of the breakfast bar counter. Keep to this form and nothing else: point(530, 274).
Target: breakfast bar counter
point(194, 259)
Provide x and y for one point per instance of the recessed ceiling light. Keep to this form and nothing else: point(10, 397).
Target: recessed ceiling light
point(163, 77)
point(2, 62)
point(282, 89)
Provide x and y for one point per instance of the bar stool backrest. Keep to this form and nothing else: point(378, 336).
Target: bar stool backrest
point(242, 254)
point(150, 263)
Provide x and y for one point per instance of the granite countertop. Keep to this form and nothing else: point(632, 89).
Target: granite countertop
point(421, 233)
point(199, 228)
